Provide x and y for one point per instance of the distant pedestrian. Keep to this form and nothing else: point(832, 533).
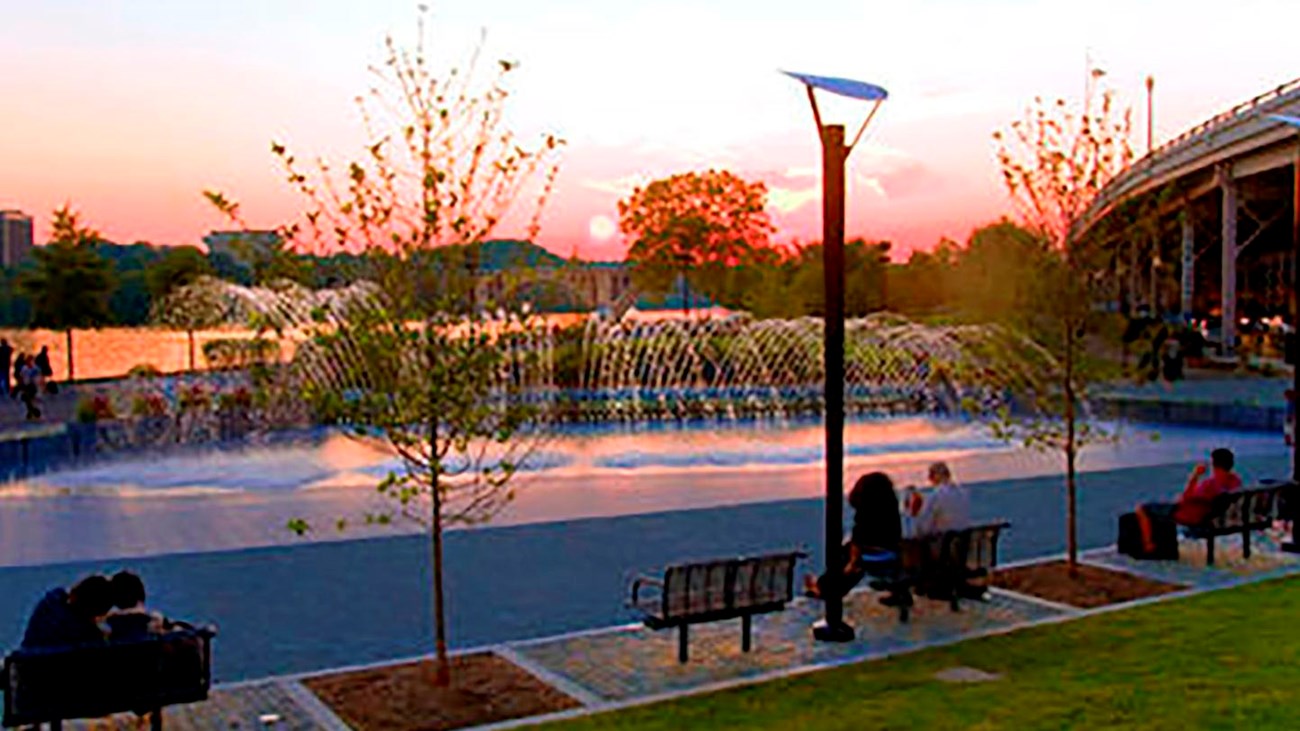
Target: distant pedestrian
point(1288, 426)
point(6, 366)
point(30, 376)
point(47, 371)
point(17, 390)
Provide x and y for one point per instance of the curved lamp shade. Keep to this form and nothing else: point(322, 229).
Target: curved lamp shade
point(843, 87)
point(1285, 119)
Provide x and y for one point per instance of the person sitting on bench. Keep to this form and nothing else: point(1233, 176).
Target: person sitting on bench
point(943, 507)
point(874, 543)
point(132, 620)
point(1194, 505)
point(63, 618)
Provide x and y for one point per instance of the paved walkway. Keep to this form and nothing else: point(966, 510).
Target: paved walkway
point(290, 609)
point(57, 409)
point(614, 667)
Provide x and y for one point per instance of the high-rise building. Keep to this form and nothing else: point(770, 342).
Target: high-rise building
point(15, 237)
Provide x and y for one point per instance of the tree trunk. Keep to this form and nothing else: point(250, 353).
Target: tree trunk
point(686, 296)
point(190, 334)
point(68, 334)
point(1071, 517)
point(442, 677)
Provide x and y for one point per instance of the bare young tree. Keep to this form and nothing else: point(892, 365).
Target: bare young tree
point(1055, 161)
point(452, 383)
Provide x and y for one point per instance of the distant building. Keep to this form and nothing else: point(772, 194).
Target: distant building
point(15, 237)
point(239, 244)
point(549, 282)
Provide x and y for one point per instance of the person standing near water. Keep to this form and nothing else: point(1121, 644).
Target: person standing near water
point(1288, 425)
point(42, 363)
point(16, 390)
point(6, 363)
point(29, 377)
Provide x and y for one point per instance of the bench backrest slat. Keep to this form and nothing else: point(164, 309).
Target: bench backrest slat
point(695, 588)
point(983, 550)
point(955, 551)
point(763, 580)
point(728, 585)
point(1241, 508)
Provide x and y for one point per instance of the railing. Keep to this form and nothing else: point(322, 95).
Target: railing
point(1240, 110)
point(1245, 110)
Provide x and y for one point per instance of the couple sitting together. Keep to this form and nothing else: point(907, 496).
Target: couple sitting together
point(876, 539)
point(96, 610)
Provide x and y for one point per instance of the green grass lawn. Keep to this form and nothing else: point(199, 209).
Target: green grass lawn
point(1224, 660)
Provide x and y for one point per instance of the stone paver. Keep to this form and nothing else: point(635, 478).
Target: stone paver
point(1230, 566)
point(630, 663)
point(270, 705)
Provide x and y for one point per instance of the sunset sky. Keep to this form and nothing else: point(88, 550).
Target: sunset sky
point(131, 108)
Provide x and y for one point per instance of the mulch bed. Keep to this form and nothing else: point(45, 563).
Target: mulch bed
point(1091, 587)
point(485, 688)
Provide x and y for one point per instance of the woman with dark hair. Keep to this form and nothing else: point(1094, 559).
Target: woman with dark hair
point(874, 542)
point(70, 617)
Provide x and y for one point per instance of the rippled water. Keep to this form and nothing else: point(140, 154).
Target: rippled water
point(335, 461)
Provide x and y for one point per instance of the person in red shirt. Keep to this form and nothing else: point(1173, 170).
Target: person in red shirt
point(1197, 500)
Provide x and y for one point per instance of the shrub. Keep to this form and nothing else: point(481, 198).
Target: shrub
point(194, 398)
point(148, 405)
point(91, 409)
point(240, 400)
point(144, 370)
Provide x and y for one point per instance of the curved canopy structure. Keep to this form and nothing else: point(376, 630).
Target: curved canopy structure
point(842, 87)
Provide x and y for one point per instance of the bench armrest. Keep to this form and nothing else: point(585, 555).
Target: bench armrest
point(640, 581)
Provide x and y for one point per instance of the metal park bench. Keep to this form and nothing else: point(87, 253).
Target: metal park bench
point(951, 566)
point(93, 681)
point(710, 591)
point(1242, 511)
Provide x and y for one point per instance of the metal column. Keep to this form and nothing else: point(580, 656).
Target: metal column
point(1228, 239)
point(1189, 261)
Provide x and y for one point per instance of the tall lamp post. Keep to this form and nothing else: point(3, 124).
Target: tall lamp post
point(1294, 498)
point(1151, 85)
point(835, 154)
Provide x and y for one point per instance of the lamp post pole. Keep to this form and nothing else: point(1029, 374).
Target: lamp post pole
point(833, 159)
point(835, 153)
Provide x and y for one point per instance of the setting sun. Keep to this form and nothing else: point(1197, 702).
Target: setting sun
point(601, 228)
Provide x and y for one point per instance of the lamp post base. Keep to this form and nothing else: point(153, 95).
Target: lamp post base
point(824, 632)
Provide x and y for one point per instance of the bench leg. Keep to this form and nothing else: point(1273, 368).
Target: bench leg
point(155, 720)
point(744, 637)
point(1209, 551)
point(1245, 543)
point(683, 637)
point(56, 725)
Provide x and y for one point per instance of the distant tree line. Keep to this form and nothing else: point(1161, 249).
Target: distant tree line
point(989, 278)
